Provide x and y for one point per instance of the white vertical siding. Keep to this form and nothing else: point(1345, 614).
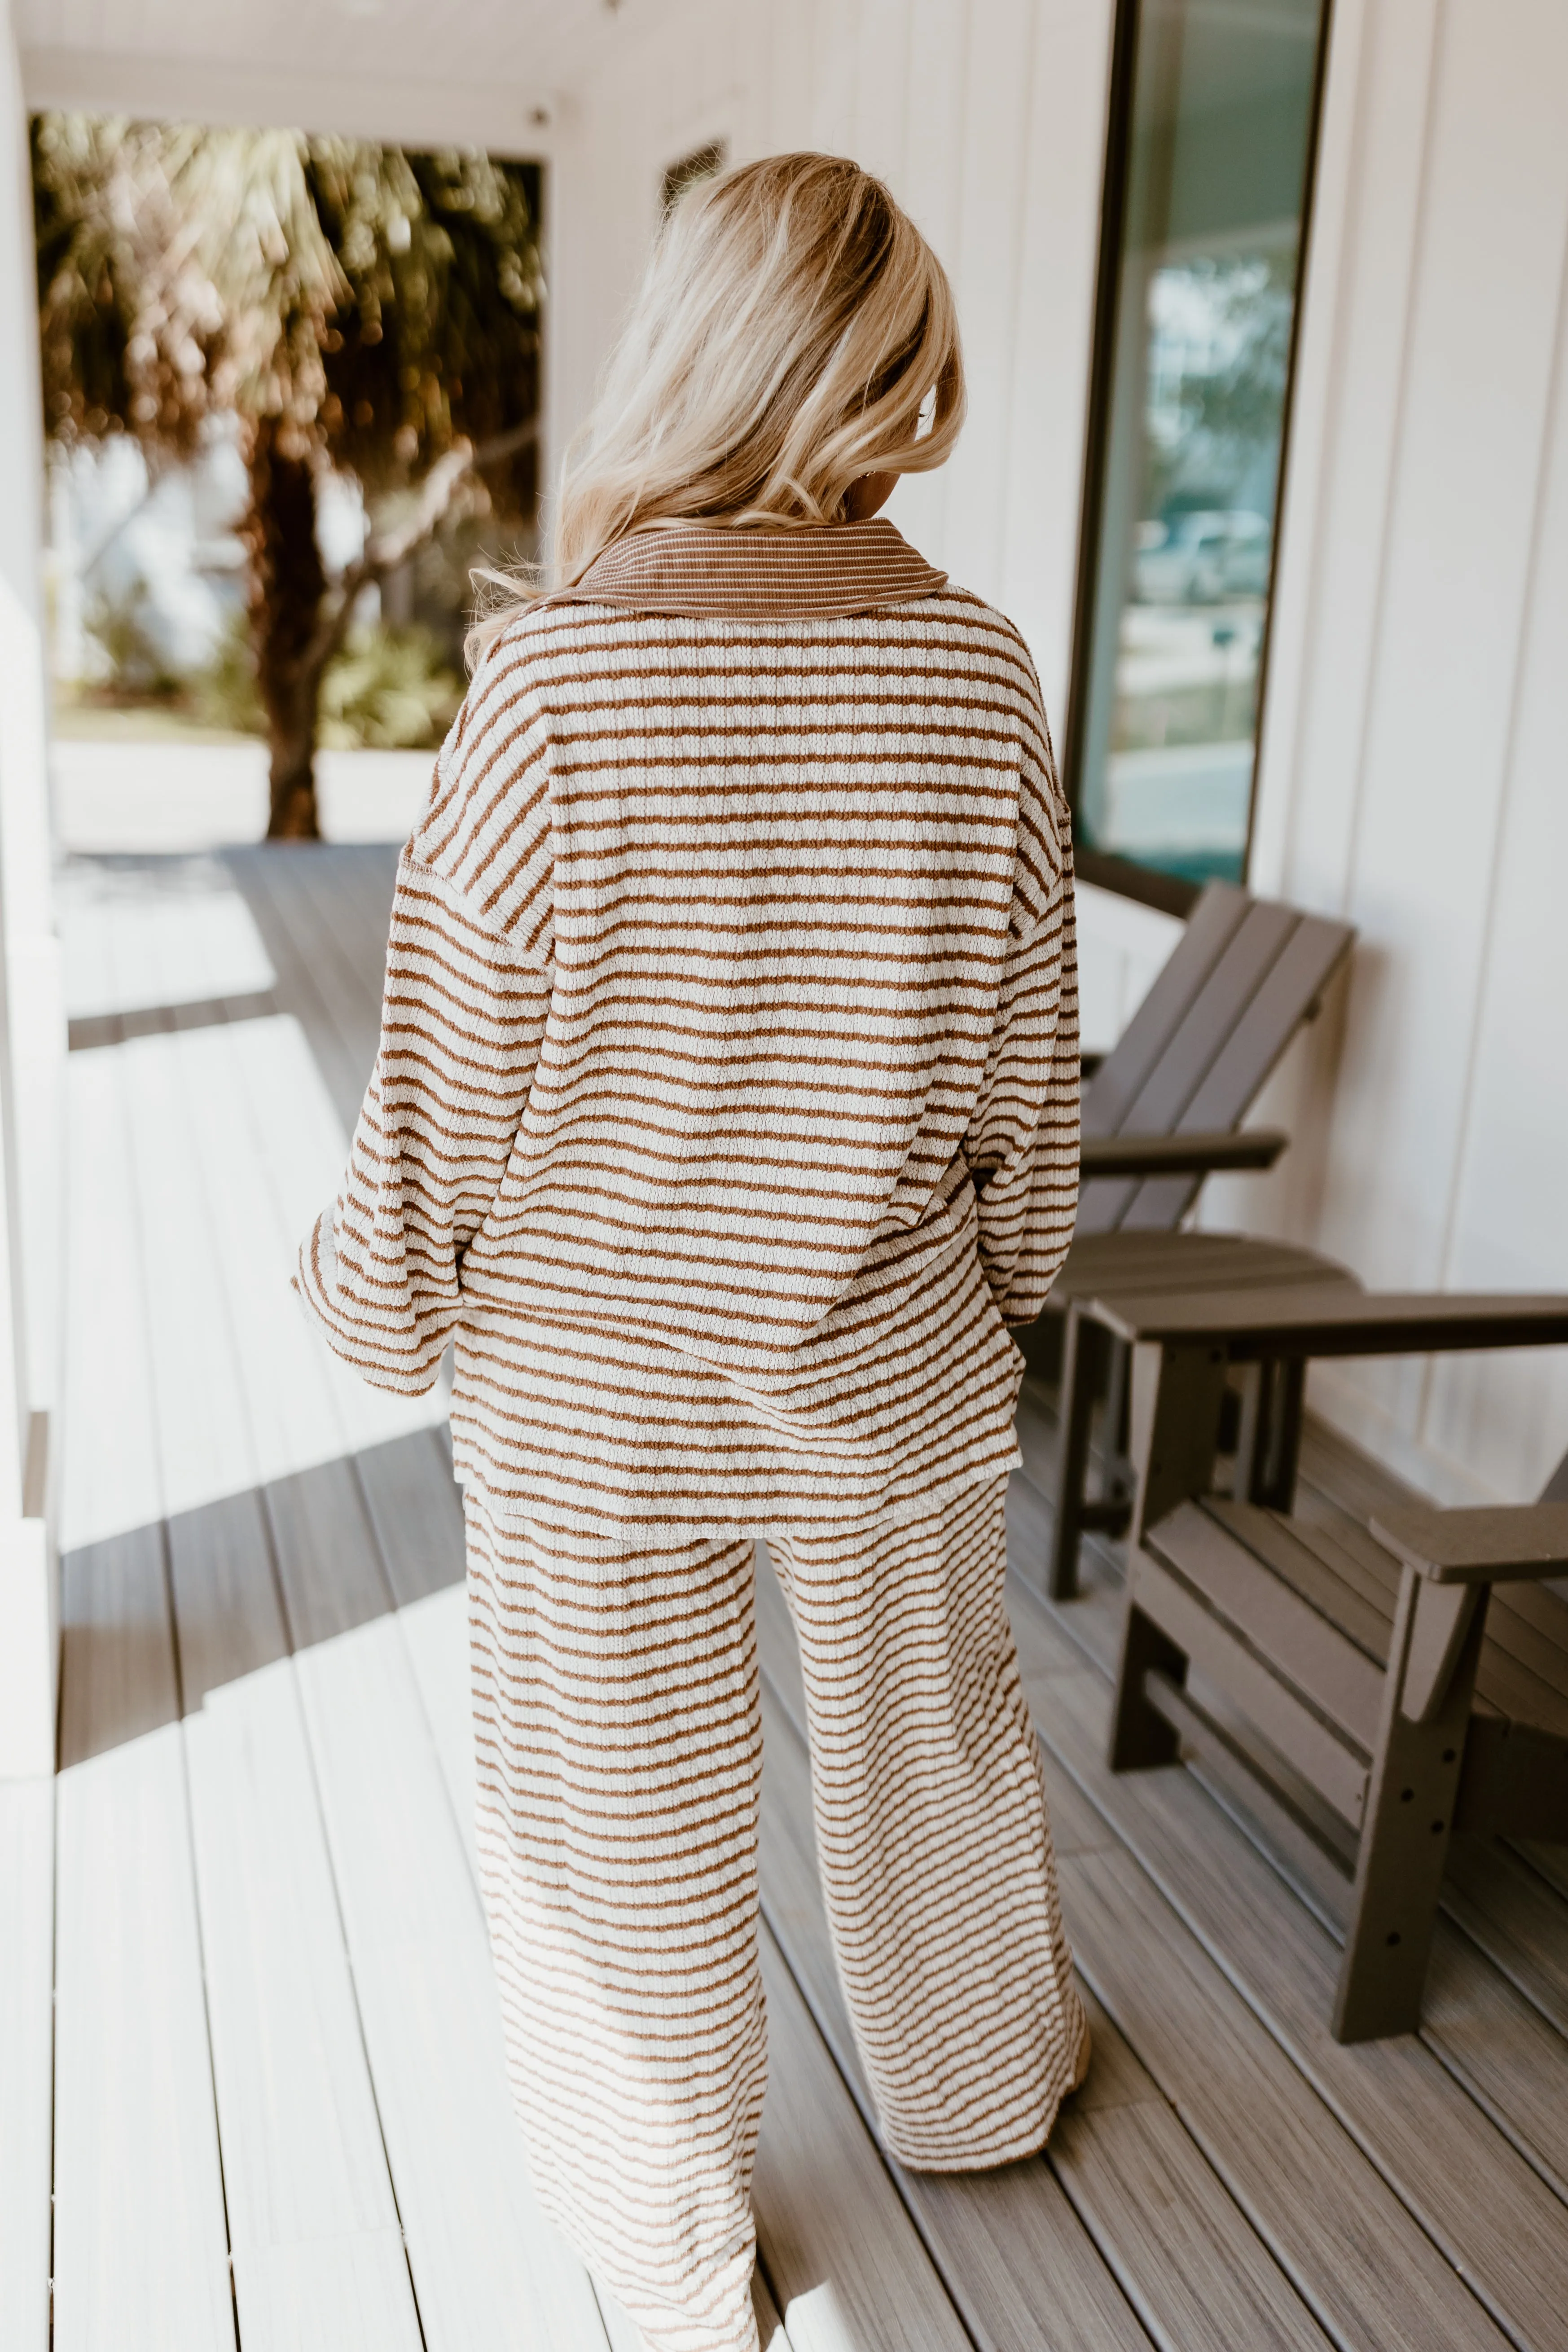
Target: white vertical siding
point(1413, 775)
point(693, 76)
point(1058, 199)
point(1508, 1212)
point(878, 129)
point(933, 189)
point(985, 272)
point(986, 116)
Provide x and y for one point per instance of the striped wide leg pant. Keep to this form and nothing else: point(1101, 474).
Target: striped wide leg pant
point(619, 1750)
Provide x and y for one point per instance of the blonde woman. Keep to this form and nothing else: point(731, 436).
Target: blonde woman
point(725, 1114)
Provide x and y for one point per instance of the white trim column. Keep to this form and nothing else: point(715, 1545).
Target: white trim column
point(32, 1029)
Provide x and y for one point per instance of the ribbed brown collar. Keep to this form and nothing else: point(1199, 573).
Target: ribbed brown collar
point(814, 571)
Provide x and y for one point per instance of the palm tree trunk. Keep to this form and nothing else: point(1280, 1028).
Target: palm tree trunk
point(287, 587)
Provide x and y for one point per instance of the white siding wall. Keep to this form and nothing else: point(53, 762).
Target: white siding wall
point(1415, 774)
point(987, 120)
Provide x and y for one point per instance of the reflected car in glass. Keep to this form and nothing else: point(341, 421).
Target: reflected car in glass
point(1202, 558)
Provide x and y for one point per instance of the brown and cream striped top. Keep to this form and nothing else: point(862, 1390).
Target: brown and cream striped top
point(726, 1107)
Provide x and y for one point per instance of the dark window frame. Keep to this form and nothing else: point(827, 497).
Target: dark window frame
point(1173, 894)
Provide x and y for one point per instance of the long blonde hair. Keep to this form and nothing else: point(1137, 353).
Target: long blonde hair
point(791, 327)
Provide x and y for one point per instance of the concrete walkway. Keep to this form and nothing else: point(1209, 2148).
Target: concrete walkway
point(116, 797)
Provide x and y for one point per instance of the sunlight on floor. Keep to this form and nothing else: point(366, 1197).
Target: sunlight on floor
point(817, 2321)
point(311, 1858)
point(198, 1160)
point(335, 2108)
point(128, 947)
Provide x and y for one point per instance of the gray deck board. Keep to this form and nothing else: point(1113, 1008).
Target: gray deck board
point(353, 901)
point(1365, 2266)
point(337, 1016)
point(839, 2253)
point(1179, 2247)
point(228, 1608)
point(1496, 2219)
point(488, 2272)
point(118, 1672)
point(1039, 2251)
point(329, 1561)
point(1229, 2175)
point(1013, 2252)
point(1551, 1863)
point(316, 906)
point(416, 1511)
point(318, 2254)
point(1510, 2057)
point(141, 2247)
point(1517, 1917)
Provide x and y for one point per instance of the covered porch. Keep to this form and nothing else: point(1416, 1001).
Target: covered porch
point(276, 2111)
point(251, 2091)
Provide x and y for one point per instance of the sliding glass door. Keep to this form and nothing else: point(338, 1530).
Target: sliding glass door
point(1214, 113)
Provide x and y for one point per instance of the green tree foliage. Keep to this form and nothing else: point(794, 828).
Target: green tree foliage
point(358, 307)
point(1226, 415)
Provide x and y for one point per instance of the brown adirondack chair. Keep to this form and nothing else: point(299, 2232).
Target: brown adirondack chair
point(1162, 1111)
point(1369, 1694)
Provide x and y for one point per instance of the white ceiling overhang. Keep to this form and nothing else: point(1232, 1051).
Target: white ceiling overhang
point(498, 73)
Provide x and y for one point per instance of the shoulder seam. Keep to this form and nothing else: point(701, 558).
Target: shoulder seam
point(457, 897)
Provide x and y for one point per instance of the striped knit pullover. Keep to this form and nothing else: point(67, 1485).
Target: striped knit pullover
point(726, 1103)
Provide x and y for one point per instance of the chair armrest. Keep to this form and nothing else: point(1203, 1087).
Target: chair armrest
point(1313, 1319)
point(1479, 1546)
point(1179, 1155)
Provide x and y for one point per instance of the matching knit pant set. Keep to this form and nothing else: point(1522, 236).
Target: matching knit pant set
point(725, 1113)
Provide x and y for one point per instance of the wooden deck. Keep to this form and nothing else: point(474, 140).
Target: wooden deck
point(275, 2111)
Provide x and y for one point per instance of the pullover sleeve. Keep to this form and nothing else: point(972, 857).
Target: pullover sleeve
point(1022, 1140)
point(466, 997)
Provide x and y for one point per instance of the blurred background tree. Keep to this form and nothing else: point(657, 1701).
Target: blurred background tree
point(359, 308)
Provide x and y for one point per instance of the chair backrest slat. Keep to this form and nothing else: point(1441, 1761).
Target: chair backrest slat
point(1556, 1491)
point(1127, 1068)
point(1212, 1019)
point(1281, 1001)
point(1231, 996)
point(1288, 990)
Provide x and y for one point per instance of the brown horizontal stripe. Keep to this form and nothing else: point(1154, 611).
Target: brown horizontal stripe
point(635, 1095)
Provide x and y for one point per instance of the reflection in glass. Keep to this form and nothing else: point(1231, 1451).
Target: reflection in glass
point(1217, 135)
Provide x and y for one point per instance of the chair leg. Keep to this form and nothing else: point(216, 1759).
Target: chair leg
point(1140, 1736)
point(1409, 1819)
point(1252, 1432)
point(1177, 1395)
point(1083, 1356)
point(1118, 1384)
point(1277, 1449)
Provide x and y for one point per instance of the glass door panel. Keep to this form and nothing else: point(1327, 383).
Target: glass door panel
point(1208, 195)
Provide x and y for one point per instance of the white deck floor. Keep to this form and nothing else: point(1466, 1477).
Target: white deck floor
point(271, 2106)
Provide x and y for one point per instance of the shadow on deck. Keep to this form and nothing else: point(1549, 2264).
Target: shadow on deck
point(277, 2058)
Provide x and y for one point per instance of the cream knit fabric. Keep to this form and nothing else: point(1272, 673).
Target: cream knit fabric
point(727, 1100)
point(726, 1109)
point(619, 1751)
